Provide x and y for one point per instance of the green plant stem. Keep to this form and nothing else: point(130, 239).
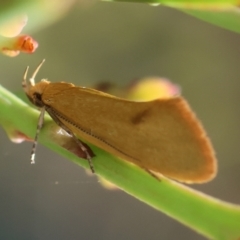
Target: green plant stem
point(199, 3)
point(226, 19)
point(212, 11)
point(211, 217)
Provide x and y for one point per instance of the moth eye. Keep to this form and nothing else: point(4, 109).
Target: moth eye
point(38, 96)
point(37, 99)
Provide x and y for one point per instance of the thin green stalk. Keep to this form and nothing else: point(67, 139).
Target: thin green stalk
point(211, 217)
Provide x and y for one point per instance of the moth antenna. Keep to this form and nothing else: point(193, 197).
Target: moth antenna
point(39, 127)
point(32, 78)
point(24, 81)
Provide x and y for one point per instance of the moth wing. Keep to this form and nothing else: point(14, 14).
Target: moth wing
point(163, 135)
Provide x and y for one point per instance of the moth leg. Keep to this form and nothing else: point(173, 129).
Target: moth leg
point(83, 146)
point(39, 127)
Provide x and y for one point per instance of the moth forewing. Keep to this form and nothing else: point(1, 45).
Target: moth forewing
point(161, 135)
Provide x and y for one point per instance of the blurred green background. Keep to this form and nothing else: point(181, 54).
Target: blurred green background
point(119, 42)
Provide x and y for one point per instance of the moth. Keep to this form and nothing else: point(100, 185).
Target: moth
point(162, 136)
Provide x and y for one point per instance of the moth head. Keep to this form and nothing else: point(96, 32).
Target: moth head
point(34, 91)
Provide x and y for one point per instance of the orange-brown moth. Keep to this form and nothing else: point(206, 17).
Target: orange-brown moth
point(162, 136)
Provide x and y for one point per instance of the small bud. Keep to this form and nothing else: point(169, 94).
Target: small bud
point(23, 43)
